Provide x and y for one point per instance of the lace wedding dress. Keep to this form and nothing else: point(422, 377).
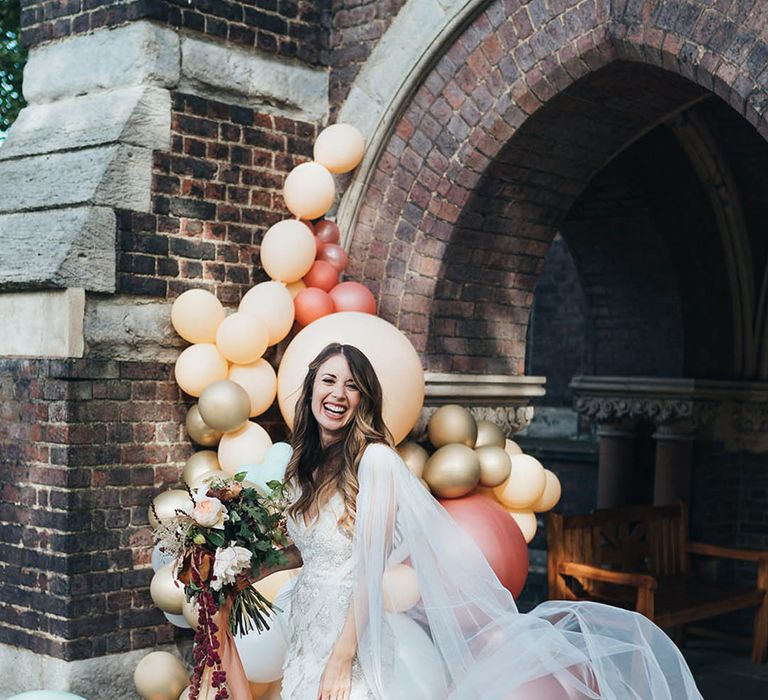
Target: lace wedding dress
point(464, 639)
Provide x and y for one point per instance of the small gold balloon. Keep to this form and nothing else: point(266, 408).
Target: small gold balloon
point(189, 610)
point(453, 471)
point(414, 456)
point(551, 495)
point(224, 405)
point(489, 434)
point(160, 676)
point(495, 465)
point(166, 592)
point(166, 505)
point(452, 424)
point(198, 464)
point(199, 431)
point(526, 521)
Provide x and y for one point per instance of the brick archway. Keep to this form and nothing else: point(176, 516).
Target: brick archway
point(509, 96)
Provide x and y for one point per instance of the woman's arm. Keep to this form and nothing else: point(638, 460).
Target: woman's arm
point(293, 560)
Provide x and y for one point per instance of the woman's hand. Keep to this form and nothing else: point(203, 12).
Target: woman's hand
point(336, 681)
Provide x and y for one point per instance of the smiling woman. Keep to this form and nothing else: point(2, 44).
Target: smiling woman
point(335, 397)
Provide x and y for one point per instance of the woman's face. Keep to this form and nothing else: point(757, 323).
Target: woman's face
point(335, 398)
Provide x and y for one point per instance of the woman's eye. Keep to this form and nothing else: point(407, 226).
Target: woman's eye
point(353, 387)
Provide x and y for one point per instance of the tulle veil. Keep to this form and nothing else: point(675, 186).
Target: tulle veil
point(465, 638)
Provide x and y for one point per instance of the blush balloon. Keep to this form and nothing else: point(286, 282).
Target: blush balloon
point(322, 275)
point(334, 254)
point(498, 536)
point(353, 296)
point(311, 304)
point(327, 231)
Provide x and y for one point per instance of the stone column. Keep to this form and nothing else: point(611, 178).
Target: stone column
point(616, 463)
point(674, 462)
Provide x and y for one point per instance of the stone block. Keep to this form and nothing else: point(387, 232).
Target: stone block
point(140, 116)
point(42, 324)
point(69, 247)
point(140, 53)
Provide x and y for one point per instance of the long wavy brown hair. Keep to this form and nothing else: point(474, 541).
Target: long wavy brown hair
point(318, 471)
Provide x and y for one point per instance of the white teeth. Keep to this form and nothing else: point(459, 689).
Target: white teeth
point(338, 410)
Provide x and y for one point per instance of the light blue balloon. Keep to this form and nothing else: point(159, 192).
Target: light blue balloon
point(47, 695)
point(271, 469)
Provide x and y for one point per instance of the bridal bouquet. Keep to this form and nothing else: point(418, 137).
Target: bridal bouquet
point(221, 540)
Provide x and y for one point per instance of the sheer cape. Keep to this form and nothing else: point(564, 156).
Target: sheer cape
point(465, 637)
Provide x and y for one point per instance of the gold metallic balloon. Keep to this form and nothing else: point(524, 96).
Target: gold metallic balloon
point(551, 495)
point(199, 464)
point(199, 431)
point(189, 610)
point(452, 424)
point(414, 456)
point(166, 505)
point(453, 471)
point(166, 592)
point(495, 465)
point(224, 405)
point(489, 434)
point(160, 676)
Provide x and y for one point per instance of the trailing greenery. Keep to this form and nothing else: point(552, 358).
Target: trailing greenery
point(12, 59)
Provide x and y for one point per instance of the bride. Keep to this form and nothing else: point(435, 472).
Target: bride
point(356, 510)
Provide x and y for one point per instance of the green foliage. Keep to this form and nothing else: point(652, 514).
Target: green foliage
point(12, 59)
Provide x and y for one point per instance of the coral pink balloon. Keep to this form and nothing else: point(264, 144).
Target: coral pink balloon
point(198, 366)
point(260, 383)
point(248, 445)
point(497, 535)
point(339, 147)
point(242, 338)
point(334, 254)
point(312, 303)
point(327, 231)
point(288, 251)
point(322, 275)
point(272, 304)
point(196, 314)
point(353, 296)
point(309, 191)
point(319, 245)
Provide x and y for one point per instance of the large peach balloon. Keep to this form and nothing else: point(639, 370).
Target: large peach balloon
point(401, 588)
point(394, 359)
point(497, 535)
point(551, 495)
point(312, 304)
point(288, 251)
point(248, 445)
point(198, 366)
point(525, 484)
point(353, 296)
point(196, 314)
point(322, 275)
point(272, 304)
point(241, 338)
point(309, 191)
point(339, 147)
point(260, 383)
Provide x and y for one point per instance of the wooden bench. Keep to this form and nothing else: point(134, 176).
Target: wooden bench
point(638, 557)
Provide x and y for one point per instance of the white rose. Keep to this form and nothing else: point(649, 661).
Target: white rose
point(228, 563)
point(208, 512)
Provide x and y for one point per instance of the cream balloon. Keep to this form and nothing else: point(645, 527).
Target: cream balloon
point(272, 304)
point(160, 676)
point(165, 506)
point(288, 251)
point(414, 456)
point(551, 495)
point(489, 434)
point(309, 191)
point(196, 314)
point(198, 366)
point(198, 464)
point(512, 448)
point(339, 148)
point(247, 445)
point(452, 424)
point(526, 521)
point(271, 585)
point(294, 288)
point(166, 592)
point(401, 588)
point(224, 405)
point(495, 465)
point(190, 611)
point(241, 338)
point(185, 693)
point(260, 383)
point(199, 431)
point(525, 484)
point(394, 359)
